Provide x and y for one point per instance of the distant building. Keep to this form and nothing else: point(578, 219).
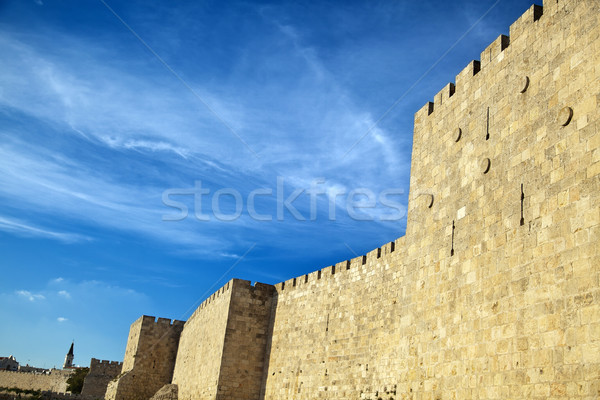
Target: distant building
point(36, 370)
point(9, 363)
point(69, 358)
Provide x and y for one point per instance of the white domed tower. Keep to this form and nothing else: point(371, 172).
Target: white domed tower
point(69, 358)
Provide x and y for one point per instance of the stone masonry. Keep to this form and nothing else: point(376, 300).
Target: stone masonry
point(97, 379)
point(227, 363)
point(55, 381)
point(494, 291)
point(149, 359)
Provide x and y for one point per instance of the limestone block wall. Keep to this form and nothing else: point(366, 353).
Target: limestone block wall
point(341, 332)
point(56, 381)
point(245, 343)
point(101, 373)
point(200, 352)
point(494, 291)
point(222, 349)
point(149, 359)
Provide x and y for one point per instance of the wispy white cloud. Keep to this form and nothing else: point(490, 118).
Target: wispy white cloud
point(30, 296)
point(62, 319)
point(145, 145)
point(86, 291)
point(27, 229)
point(54, 188)
point(301, 128)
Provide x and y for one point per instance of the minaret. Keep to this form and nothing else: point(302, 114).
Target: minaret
point(69, 358)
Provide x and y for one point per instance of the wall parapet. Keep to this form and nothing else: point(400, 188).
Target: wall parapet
point(492, 53)
point(150, 319)
point(341, 267)
point(95, 361)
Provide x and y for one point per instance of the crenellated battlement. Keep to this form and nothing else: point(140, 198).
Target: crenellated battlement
point(149, 319)
point(226, 288)
point(339, 269)
point(100, 374)
point(494, 53)
point(96, 362)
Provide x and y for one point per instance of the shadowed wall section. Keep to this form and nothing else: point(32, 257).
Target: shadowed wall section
point(228, 362)
point(101, 373)
point(149, 359)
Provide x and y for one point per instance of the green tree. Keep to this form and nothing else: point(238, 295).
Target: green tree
point(75, 381)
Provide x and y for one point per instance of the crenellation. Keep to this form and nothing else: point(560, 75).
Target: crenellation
point(465, 77)
point(444, 95)
point(100, 374)
point(216, 294)
point(148, 319)
point(149, 359)
point(494, 50)
point(523, 27)
point(373, 255)
point(552, 7)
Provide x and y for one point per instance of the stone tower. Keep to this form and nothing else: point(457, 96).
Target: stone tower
point(69, 358)
point(149, 359)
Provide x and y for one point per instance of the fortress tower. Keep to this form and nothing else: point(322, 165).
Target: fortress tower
point(69, 358)
point(149, 359)
point(494, 291)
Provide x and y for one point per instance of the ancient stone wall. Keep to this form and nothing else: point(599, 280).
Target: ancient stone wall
point(222, 349)
point(341, 332)
point(245, 343)
point(56, 381)
point(101, 373)
point(494, 290)
point(149, 359)
point(201, 347)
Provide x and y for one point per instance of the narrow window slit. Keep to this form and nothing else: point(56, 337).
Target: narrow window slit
point(282, 285)
point(522, 200)
point(294, 284)
point(392, 247)
point(333, 270)
point(347, 264)
point(319, 275)
point(487, 129)
point(305, 278)
point(379, 252)
point(364, 260)
point(452, 249)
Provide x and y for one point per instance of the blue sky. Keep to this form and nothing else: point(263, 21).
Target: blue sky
point(111, 113)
